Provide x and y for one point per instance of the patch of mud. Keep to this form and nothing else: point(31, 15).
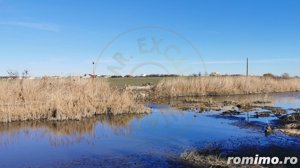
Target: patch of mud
point(268, 122)
point(231, 112)
point(243, 103)
point(276, 119)
point(262, 114)
point(291, 129)
point(277, 111)
point(290, 124)
point(294, 117)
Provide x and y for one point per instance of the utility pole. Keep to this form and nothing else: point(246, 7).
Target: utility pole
point(247, 68)
point(247, 81)
point(93, 69)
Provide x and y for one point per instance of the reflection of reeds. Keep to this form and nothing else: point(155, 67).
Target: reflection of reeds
point(70, 132)
point(62, 99)
point(118, 121)
point(66, 132)
point(65, 128)
point(199, 86)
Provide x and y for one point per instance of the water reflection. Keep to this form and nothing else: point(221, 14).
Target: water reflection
point(66, 132)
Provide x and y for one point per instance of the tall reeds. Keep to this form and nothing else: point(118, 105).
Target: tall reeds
point(62, 99)
point(225, 85)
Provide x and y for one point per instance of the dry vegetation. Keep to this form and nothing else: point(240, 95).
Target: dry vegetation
point(211, 156)
point(199, 86)
point(76, 98)
point(62, 99)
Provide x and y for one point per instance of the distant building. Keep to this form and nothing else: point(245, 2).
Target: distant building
point(128, 76)
point(89, 76)
point(215, 74)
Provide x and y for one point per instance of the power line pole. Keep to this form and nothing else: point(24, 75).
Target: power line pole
point(93, 69)
point(247, 68)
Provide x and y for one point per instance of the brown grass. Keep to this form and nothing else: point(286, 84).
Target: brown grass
point(199, 86)
point(62, 99)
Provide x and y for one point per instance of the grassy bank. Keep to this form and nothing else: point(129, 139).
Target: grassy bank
point(198, 86)
point(62, 99)
point(134, 81)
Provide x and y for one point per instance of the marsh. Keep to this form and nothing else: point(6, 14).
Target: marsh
point(157, 139)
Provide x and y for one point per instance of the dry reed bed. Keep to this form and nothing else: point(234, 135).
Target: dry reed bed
point(199, 86)
point(62, 99)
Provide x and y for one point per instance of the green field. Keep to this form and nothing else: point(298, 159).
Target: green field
point(134, 81)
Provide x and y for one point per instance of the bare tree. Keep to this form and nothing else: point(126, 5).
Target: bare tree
point(25, 73)
point(13, 74)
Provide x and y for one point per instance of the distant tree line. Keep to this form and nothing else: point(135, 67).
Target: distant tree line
point(150, 75)
point(270, 75)
point(15, 74)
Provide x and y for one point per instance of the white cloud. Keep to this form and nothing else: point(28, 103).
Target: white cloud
point(34, 25)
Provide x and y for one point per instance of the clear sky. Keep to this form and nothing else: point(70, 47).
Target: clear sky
point(64, 37)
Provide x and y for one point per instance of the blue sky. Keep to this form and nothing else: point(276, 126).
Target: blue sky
point(64, 37)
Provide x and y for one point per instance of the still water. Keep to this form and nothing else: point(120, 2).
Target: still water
point(153, 140)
